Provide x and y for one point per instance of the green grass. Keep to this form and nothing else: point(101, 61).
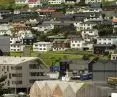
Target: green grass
point(53, 57)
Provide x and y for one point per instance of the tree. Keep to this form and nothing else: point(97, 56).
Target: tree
point(2, 89)
point(104, 29)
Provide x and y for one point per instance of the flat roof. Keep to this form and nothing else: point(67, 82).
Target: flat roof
point(7, 60)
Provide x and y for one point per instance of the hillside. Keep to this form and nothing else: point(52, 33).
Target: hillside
point(7, 2)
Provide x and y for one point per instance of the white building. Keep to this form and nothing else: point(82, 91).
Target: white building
point(16, 47)
point(33, 3)
point(92, 1)
point(77, 43)
point(15, 40)
point(5, 29)
point(88, 46)
point(107, 40)
point(56, 1)
point(92, 10)
point(21, 2)
point(84, 25)
point(42, 46)
point(24, 33)
point(71, 1)
point(89, 35)
point(44, 28)
point(113, 56)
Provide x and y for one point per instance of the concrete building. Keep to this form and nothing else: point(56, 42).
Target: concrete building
point(22, 72)
point(42, 46)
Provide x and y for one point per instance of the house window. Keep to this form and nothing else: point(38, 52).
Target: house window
point(73, 44)
point(16, 68)
point(17, 82)
point(34, 66)
point(17, 75)
point(36, 74)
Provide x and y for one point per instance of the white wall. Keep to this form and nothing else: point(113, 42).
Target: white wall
point(42, 46)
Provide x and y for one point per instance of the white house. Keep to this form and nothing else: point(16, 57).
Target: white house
point(56, 1)
point(107, 40)
point(42, 46)
point(21, 2)
point(89, 35)
point(5, 29)
point(77, 43)
point(92, 10)
point(33, 3)
point(92, 1)
point(44, 27)
point(88, 46)
point(71, 1)
point(15, 40)
point(16, 47)
point(84, 25)
point(24, 33)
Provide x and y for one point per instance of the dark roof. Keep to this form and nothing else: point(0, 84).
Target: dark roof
point(103, 45)
point(79, 64)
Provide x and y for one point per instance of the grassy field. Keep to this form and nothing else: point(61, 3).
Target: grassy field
point(53, 58)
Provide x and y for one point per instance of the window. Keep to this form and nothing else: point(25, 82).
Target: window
point(17, 75)
point(9, 75)
point(7, 68)
point(36, 74)
point(16, 68)
point(73, 44)
point(17, 82)
point(34, 66)
point(8, 82)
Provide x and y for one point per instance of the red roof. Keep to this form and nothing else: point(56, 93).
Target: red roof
point(33, 0)
point(46, 10)
point(114, 20)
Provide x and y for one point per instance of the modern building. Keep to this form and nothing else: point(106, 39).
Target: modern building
point(22, 72)
point(42, 46)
